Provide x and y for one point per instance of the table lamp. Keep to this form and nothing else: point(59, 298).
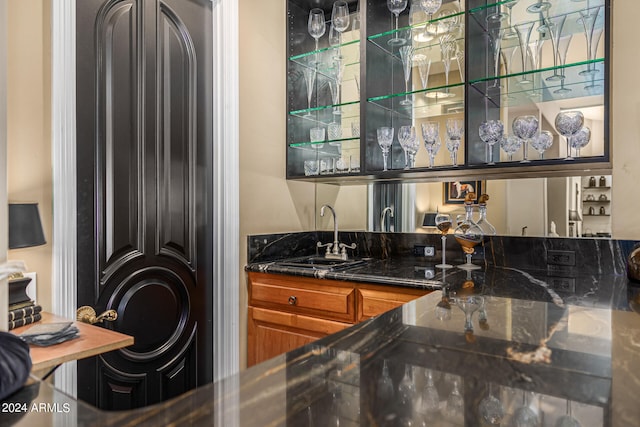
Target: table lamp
point(429, 219)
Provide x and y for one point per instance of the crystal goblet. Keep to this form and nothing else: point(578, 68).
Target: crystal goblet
point(580, 139)
point(385, 140)
point(455, 130)
point(430, 6)
point(510, 144)
point(491, 408)
point(525, 128)
point(568, 123)
point(430, 132)
point(432, 151)
point(491, 132)
point(409, 142)
point(542, 142)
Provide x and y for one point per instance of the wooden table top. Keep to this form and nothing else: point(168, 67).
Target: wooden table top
point(93, 340)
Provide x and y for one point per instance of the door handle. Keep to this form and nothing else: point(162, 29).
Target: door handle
point(87, 314)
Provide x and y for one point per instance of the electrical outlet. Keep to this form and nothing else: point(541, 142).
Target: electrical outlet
point(567, 258)
point(424, 250)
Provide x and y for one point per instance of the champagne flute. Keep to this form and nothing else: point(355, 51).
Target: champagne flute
point(385, 140)
point(396, 7)
point(406, 56)
point(443, 223)
point(316, 24)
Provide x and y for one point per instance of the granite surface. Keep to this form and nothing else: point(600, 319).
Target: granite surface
point(543, 341)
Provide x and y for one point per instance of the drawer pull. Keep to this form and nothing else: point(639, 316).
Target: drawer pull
point(293, 300)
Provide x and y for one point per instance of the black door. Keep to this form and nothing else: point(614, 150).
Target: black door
point(144, 194)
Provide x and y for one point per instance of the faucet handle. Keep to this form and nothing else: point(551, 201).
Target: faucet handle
point(325, 245)
point(344, 247)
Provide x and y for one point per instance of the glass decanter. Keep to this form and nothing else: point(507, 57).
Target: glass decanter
point(487, 228)
point(467, 233)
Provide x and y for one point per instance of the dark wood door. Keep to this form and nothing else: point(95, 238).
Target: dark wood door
point(144, 194)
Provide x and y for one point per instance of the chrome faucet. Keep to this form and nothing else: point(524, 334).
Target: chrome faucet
point(388, 209)
point(336, 249)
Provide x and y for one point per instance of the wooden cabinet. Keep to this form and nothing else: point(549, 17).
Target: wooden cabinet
point(286, 312)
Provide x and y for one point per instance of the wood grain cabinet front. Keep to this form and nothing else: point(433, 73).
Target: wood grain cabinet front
point(286, 312)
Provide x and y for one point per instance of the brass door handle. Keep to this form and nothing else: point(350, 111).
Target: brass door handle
point(87, 314)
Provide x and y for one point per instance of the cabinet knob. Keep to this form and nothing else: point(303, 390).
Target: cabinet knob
point(293, 300)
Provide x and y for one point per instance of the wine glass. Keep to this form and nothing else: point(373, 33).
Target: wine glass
point(407, 389)
point(491, 132)
point(409, 142)
point(455, 130)
point(406, 56)
point(340, 18)
point(384, 388)
point(385, 140)
point(581, 139)
point(525, 128)
point(568, 123)
point(396, 7)
point(491, 409)
point(567, 420)
point(432, 150)
point(524, 416)
point(316, 25)
point(430, 6)
point(430, 399)
point(443, 223)
point(542, 142)
point(510, 144)
point(469, 305)
point(430, 132)
point(454, 407)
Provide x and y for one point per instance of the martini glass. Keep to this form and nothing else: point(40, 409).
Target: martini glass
point(396, 7)
point(469, 305)
point(525, 128)
point(542, 142)
point(443, 223)
point(385, 140)
point(568, 123)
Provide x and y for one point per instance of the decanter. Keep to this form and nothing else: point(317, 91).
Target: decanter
point(487, 228)
point(467, 233)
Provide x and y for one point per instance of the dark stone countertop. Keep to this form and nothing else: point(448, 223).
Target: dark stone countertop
point(549, 342)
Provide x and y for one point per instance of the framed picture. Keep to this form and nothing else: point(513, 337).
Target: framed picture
point(455, 192)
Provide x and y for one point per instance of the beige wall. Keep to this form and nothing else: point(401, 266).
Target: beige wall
point(29, 125)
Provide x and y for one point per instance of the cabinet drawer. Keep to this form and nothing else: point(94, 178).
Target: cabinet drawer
point(326, 298)
point(374, 301)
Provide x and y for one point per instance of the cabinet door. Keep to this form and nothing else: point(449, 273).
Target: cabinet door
point(271, 333)
point(373, 301)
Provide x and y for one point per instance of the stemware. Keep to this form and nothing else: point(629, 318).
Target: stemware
point(568, 123)
point(588, 17)
point(432, 151)
point(467, 233)
point(407, 389)
point(454, 407)
point(524, 416)
point(385, 140)
point(430, 399)
point(431, 6)
point(316, 24)
point(524, 35)
point(567, 420)
point(542, 142)
point(491, 132)
point(469, 305)
point(430, 132)
point(340, 19)
point(443, 223)
point(448, 51)
point(563, 47)
point(510, 144)
point(424, 67)
point(555, 26)
point(409, 142)
point(406, 56)
point(580, 139)
point(455, 130)
point(525, 128)
point(335, 74)
point(310, 80)
point(396, 7)
point(510, 32)
point(491, 408)
point(384, 388)
point(539, 7)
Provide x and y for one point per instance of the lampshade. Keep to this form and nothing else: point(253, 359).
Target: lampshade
point(25, 228)
point(574, 216)
point(429, 220)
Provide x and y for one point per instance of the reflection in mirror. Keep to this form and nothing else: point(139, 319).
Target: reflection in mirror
point(539, 207)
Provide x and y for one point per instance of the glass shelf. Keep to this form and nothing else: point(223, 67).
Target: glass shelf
point(319, 145)
point(306, 57)
point(512, 91)
point(424, 35)
point(324, 114)
point(435, 101)
point(556, 8)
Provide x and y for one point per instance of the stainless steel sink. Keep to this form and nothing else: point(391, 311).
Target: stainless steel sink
point(321, 263)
